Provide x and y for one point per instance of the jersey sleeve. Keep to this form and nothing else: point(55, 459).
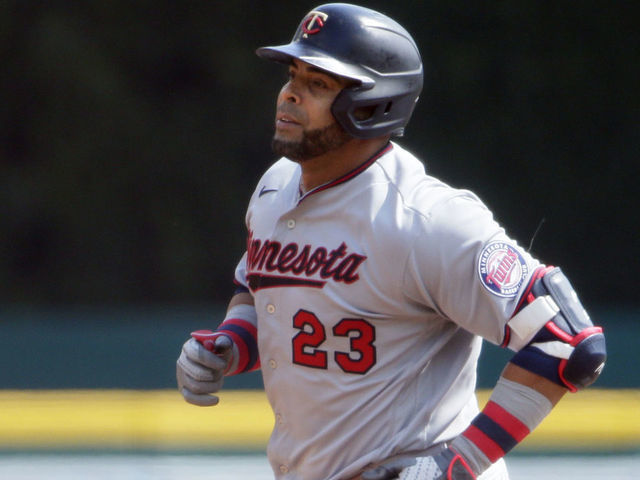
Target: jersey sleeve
point(465, 267)
point(240, 275)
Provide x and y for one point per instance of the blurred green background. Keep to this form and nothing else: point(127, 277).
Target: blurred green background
point(133, 132)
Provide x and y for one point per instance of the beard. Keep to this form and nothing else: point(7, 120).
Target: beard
point(313, 144)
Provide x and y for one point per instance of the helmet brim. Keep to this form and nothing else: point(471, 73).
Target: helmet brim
point(317, 58)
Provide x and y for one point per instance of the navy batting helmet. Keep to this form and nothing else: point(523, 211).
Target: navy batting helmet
point(371, 49)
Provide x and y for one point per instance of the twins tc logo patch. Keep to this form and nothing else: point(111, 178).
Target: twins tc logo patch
point(313, 23)
point(502, 269)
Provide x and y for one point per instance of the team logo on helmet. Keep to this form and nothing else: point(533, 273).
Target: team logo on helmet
point(313, 23)
point(502, 269)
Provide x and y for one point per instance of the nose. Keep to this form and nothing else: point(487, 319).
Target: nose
point(289, 93)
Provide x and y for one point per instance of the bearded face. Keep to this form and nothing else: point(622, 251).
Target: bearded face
point(305, 126)
point(313, 143)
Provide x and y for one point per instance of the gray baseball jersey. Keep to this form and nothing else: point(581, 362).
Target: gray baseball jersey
point(373, 293)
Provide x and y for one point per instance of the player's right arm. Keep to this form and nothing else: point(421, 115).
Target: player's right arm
point(209, 356)
point(232, 348)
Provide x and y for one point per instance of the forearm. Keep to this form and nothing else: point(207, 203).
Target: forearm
point(558, 349)
point(242, 298)
point(553, 392)
point(519, 402)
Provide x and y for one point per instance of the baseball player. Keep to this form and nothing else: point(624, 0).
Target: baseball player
point(367, 285)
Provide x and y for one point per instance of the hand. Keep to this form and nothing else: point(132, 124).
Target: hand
point(200, 372)
point(446, 465)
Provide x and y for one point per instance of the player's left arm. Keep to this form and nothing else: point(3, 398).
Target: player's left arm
point(558, 349)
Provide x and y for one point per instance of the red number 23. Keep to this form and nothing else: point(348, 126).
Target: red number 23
point(360, 358)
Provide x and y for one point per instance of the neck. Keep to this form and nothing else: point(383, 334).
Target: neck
point(329, 166)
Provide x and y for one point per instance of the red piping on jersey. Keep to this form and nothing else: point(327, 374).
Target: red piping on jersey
point(353, 173)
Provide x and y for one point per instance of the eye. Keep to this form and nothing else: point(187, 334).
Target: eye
point(318, 83)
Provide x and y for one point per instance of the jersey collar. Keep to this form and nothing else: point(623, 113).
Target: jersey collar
point(348, 176)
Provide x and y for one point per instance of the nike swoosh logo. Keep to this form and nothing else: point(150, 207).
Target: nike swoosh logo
point(266, 190)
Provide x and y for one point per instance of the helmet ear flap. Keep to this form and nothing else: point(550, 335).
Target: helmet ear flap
point(364, 114)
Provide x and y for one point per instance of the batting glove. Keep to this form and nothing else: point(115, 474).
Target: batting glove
point(200, 372)
point(446, 465)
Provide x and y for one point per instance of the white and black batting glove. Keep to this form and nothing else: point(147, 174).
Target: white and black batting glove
point(446, 465)
point(200, 372)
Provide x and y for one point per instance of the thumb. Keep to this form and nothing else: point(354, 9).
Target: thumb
point(213, 341)
point(222, 345)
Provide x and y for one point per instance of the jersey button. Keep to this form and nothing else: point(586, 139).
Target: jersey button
point(273, 364)
point(284, 469)
point(271, 308)
point(291, 223)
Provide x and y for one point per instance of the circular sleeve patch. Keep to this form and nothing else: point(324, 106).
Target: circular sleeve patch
point(502, 269)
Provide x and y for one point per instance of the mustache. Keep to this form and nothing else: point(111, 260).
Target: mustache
point(292, 110)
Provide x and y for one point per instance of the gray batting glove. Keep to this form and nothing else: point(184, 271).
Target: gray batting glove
point(446, 465)
point(390, 470)
point(200, 372)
